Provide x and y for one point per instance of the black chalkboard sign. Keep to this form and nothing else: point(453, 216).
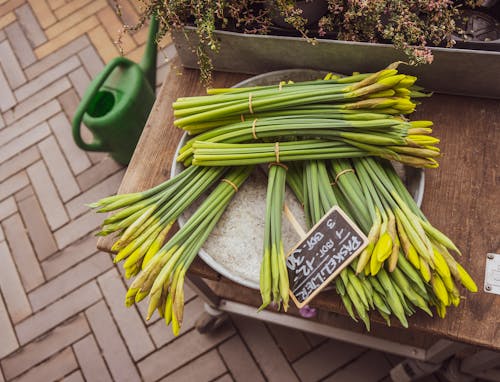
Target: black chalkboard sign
point(328, 248)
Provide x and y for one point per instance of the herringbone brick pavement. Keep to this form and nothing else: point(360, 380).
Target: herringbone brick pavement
point(61, 304)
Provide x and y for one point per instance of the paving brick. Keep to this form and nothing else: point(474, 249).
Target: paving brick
point(58, 169)
point(370, 367)
point(291, 342)
point(97, 173)
point(11, 287)
point(91, 361)
point(128, 13)
point(70, 7)
point(136, 54)
point(10, 65)
point(128, 320)
point(77, 229)
point(18, 162)
point(80, 80)
point(109, 186)
point(47, 195)
point(75, 376)
point(55, 4)
point(2, 122)
point(25, 193)
point(113, 25)
point(268, 355)
point(38, 99)
point(181, 352)
point(113, 348)
point(32, 119)
point(141, 36)
point(8, 6)
point(104, 45)
point(22, 252)
point(203, 369)
point(224, 378)
point(239, 360)
point(7, 208)
point(2, 235)
point(64, 38)
point(13, 184)
point(53, 369)
point(37, 226)
point(91, 61)
point(69, 280)
point(69, 22)
point(30, 25)
point(43, 13)
point(47, 78)
point(69, 256)
point(57, 312)
point(20, 44)
point(162, 334)
point(9, 341)
point(7, 99)
point(24, 141)
point(138, 7)
point(76, 157)
point(70, 49)
point(7, 19)
point(3, 36)
point(325, 359)
point(53, 342)
point(69, 101)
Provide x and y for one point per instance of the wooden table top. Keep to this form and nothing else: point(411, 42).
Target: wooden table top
point(462, 196)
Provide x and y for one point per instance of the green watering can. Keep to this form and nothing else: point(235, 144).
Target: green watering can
point(117, 103)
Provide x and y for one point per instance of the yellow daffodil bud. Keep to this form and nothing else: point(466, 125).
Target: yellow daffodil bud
point(465, 279)
point(441, 310)
point(440, 264)
point(383, 248)
point(413, 257)
point(424, 270)
point(439, 289)
point(167, 314)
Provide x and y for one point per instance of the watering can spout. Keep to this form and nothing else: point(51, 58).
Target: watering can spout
point(148, 62)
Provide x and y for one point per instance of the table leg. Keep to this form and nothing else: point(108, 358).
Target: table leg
point(411, 369)
point(212, 318)
point(484, 364)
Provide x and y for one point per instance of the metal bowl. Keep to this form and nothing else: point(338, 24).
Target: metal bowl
point(234, 248)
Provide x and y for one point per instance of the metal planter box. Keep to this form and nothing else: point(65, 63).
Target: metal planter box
point(454, 71)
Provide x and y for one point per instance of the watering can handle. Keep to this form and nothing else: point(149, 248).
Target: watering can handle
point(96, 145)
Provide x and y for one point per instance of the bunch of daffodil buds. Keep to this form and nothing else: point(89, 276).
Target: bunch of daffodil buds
point(273, 271)
point(331, 141)
point(383, 277)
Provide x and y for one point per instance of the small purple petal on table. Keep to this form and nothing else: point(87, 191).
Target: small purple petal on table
point(307, 312)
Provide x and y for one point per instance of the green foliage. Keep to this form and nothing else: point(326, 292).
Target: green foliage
point(411, 25)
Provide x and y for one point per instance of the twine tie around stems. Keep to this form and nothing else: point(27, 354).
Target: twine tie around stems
point(250, 103)
point(340, 174)
point(230, 183)
point(254, 125)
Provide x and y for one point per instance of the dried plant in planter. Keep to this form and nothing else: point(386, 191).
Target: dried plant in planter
point(411, 25)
